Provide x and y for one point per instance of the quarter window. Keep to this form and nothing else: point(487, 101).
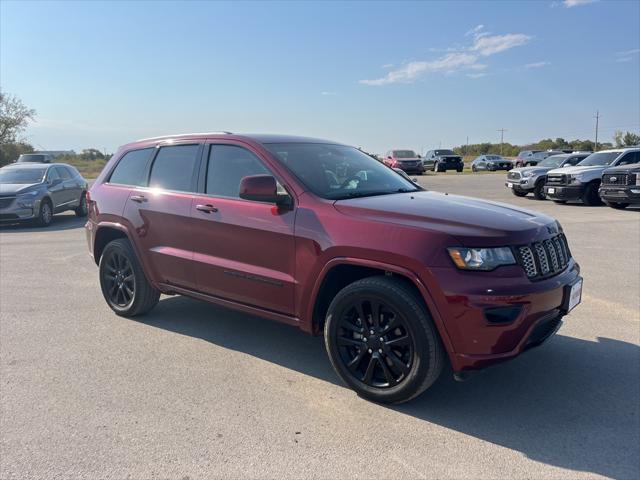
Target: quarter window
point(228, 164)
point(131, 168)
point(174, 168)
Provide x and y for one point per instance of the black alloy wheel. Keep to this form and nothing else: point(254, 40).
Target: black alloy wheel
point(375, 343)
point(381, 340)
point(119, 280)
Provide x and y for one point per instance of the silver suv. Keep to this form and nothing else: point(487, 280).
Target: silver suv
point(582, 181)
point(524, 180)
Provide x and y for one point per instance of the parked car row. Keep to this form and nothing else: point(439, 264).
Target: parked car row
point(37, 191)
point(609, 176)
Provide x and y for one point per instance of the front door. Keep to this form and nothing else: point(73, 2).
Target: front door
point(160, 214)
point(243, 250)
point(56, 188)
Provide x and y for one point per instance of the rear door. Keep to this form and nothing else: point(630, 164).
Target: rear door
point(243, 250)
point(160, 213)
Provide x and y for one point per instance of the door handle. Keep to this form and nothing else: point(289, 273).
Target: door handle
point(138, 198)
point(206, 208)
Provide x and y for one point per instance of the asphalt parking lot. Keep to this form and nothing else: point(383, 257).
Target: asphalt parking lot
point(196, 391)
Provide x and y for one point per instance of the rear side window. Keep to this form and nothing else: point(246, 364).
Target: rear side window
point(174, 168)
point(63, 172)
point(131, 168)
point(228, 164)
point(630, 158)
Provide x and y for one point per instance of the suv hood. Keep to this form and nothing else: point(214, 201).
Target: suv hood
point(631, 168)
point(578, 169)
point(535, 170)
point(13, 188)
point(474, 222)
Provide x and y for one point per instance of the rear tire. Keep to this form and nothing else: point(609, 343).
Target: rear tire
point(123, 282)
point(81, 209)
point(381, 341)
point(616, 205)
point(590, 196)
point(459, 170)
point(45, 214)
point(538, 190)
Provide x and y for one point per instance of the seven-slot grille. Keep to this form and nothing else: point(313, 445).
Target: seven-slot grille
point(618, 179)
point(6, 201)
point(556, 179)
point(546, 258)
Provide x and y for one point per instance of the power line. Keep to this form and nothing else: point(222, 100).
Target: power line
point(502, 130)
point(597, 121)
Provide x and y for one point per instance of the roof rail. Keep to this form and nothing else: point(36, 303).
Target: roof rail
point(222, 132)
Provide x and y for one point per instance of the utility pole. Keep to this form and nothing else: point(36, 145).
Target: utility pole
point(597, 117)
point(502, 130)
point(466, 151)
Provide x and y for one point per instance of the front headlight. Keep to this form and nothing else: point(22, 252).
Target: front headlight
point(573, 179)
point(481, 258)
point(30, 194)
point(527, 174)
point(25, 200)
point(638, 178)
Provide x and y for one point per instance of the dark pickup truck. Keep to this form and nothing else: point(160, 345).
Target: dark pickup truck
point(620, 186)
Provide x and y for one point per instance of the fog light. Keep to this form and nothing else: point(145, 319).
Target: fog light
point(502, 315)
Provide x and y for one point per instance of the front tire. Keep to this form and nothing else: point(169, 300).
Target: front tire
point(381, 341)
point(519, 193)
point(45, 214)
point(124, 285)
point(538, 191)
point(590, 196)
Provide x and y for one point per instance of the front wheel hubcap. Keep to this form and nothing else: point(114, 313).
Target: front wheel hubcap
point(375, 344)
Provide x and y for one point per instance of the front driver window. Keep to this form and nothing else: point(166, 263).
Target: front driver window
point(228, 164)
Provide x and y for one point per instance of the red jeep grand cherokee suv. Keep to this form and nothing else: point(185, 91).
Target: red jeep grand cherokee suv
point(319, 235)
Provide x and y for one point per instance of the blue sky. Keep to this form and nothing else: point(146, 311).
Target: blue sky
point(378, 75)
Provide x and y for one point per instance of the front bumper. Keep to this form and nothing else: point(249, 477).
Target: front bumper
point(564, 192)
point(620, 194)
point(17, 213)
point(526, 184)
point(478, 337)
point(413, 169)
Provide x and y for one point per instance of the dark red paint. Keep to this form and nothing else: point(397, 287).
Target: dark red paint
point(271, 260)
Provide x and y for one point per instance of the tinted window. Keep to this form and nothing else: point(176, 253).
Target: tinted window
point(174, 167)
point(53, 174)
point(228, 164)
point(600, 158)
point(63, 172)
point(131, 168)
point(444, 152)
point(21, 175)
point(31, 158)
point(339, 172)
point(629, 158)
point(404, 154)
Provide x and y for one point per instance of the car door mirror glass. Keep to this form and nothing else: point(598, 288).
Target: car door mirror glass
point(260, 188)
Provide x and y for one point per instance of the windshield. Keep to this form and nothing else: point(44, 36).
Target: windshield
point(31, 158)
point(600, 158)
point(404, 154)
point(494, 157)
point(337, 172)
point(444, 152)
point(22, 175)
point(553, 161)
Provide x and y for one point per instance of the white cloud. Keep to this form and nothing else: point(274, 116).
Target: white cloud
point(474, 31)
point(412, 70)
point(537, 64)
point(328, 94)
point(492, 44)
point(627, 55)
point(476, 75)
point(463, 58)
point(576, 3)
point(387, 65)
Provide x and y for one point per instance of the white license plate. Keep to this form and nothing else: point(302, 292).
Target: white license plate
point(575, 295)
point(551, 190)
point(509, 185)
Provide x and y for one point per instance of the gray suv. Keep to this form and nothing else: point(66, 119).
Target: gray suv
point(524, 180)
point(36, 191)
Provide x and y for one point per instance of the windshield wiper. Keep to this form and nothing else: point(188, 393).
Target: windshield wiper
point(374, 194)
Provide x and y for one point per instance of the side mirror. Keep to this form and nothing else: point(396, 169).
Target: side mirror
point(262, 188)
point(419, 156)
